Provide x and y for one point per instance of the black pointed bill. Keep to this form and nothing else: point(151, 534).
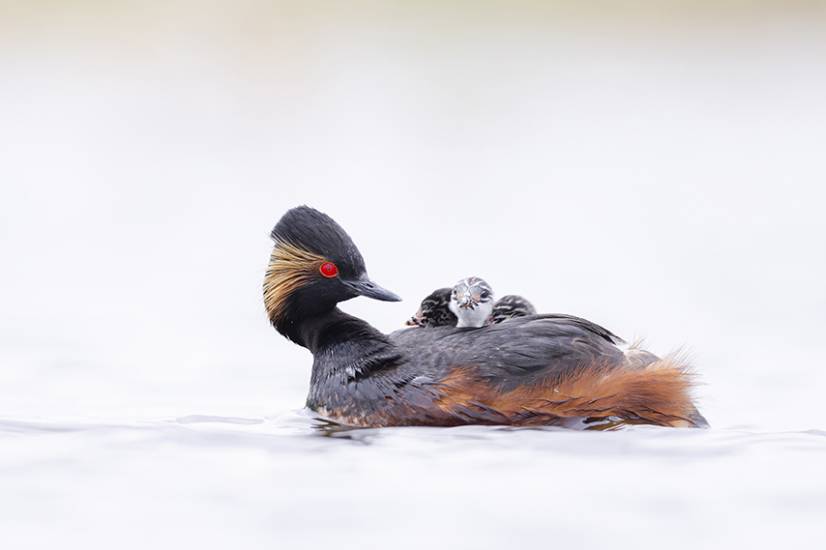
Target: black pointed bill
point(366, 287)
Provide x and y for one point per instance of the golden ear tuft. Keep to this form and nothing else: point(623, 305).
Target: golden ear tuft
point(290, 268)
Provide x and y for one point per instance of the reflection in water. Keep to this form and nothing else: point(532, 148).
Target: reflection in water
point(329, 428)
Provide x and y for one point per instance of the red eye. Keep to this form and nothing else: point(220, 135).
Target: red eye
point(329, 270)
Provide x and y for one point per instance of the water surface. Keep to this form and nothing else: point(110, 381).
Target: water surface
point(289, 481)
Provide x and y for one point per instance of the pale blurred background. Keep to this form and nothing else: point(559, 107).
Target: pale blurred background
point(656, 167)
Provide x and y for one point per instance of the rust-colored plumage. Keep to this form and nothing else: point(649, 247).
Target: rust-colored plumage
point(656, 394)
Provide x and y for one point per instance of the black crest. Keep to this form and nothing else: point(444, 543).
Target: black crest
point(316, 232)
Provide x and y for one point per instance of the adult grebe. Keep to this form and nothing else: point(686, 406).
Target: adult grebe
point(534, 370)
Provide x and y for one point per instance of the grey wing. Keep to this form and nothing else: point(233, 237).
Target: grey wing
point(592, 327)
point(512, 353)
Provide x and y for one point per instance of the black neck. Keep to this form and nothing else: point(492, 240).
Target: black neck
point(329, 329)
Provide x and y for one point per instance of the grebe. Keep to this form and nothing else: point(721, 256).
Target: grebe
point(510, 307)
point(470, 303)
point(534, 370)
point(434, 311)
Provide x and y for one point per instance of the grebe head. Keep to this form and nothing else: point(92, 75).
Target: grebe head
point(471, 300)
point(511, 307)
point(434, 311)
point(313, 266)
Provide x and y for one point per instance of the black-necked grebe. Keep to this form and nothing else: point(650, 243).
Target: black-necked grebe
point(511, 306)
point(534, 370)
point(434, 311)
point(470, 303)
